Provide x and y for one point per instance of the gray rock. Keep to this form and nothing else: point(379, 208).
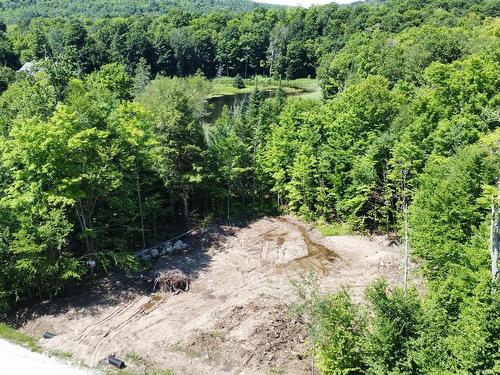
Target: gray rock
point(155, 253)
point(179, 245)
point(146, 257)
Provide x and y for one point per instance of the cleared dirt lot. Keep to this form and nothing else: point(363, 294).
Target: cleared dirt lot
point(235, 318)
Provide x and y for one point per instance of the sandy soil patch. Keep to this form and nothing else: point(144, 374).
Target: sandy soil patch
point(235, 318)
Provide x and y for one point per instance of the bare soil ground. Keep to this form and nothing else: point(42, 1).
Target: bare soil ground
point(235, 319)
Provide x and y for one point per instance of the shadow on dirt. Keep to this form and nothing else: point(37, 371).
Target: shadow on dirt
point(121, 287)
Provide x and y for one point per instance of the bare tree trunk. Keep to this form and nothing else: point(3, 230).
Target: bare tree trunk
point(228, 198)
point(407, 250)
point(404, 173)
point(141, 214)
point(172, 208)
point(155, 233)
point(494, 236)
point(493, 242)
point(83, 227)
point(254, 177)
point(84, 211)
point(186, 208)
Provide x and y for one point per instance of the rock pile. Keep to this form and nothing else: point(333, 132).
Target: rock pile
point(165, 248)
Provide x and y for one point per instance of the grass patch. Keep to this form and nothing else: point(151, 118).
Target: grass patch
point(115, 371)
point(306, 84)
point(19, 338)
point(277, 371)
point(335, 229)
point(133, 357)
point(214, 334)
point(61, 354)
point(223, 86)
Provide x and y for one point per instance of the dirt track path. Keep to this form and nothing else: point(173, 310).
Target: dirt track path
point(235, 318)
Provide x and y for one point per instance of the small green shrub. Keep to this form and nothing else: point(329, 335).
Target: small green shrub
point(339, 333)
point(336, 326)
point(238, 82)
point(393, 325)
point(373, 338)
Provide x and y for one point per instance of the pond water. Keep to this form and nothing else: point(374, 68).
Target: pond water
point(233, 101)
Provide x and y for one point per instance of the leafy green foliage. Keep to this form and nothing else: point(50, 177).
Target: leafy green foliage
point(104, 150)
point(394, 325)
point(339, 334)
point(351, 339)
point(23, 10)
point(395, 39)
point(180, 150)
point(335, 229)
point(238, 82)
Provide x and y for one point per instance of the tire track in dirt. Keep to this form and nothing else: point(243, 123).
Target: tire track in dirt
point(233, 321)
point(93, 326)
point(145, 308)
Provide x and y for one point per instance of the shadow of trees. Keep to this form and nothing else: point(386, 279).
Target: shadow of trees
point(118, 287)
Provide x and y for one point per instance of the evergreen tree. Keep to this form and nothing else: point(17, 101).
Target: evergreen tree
point(238, 82)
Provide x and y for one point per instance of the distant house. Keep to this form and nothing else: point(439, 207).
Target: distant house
point(29, 68)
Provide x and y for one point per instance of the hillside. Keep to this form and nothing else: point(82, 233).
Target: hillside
point(164, 197)
point(235, 318)
point(23, 10)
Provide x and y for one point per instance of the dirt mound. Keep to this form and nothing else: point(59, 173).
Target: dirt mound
point(255, 337)
point(235, 319)
point(280, 342)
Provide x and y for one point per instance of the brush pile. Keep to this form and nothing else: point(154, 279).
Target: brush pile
point(173, 281)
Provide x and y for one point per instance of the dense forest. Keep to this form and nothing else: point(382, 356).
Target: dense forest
point(104, 150)
point(25, 10)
